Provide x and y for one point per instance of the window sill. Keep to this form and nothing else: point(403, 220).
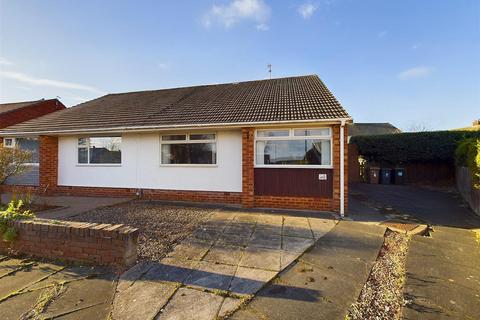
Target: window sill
point(292, 166)
point(99, 165)
point(190, 165)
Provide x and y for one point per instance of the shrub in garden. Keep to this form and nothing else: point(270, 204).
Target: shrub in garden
point(13, 212)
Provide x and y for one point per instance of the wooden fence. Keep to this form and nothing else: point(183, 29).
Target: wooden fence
point(464, 186)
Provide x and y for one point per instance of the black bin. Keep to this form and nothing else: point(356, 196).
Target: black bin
point(399, 175)
point(386, 176)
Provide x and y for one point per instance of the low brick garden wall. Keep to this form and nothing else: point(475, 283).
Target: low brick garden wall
point(102, 244)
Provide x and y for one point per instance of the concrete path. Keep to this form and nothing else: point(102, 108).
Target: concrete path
point(324, 281)
point(223, 264)
point(443, 276)
point(36, 290)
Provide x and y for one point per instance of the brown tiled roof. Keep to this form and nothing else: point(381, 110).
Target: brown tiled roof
point(7, 107)
point(369, 129)
point(261, 101)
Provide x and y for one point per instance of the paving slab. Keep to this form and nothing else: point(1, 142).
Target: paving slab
point(170, 270)
point(321, 227)
point(190, 251)
point(191, 304)
point(224, 254)
point(312, 288)
point(229, 305)
point(248, 281)
point(442, 276)
point(143, 300)
point(297, 227)
point(15, 307)
point(211, 276)
point(23, 278)
point(78, 295)
point(295, 244)
point(262, 239)
point(261, 259)
point(129, 277)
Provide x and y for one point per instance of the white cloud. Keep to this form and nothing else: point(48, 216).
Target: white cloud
point(21, 77)
point(413, 73)
point(263, 27)
point(5, 62)
point(163, 66)
point(382, 34)
point(232, 13)
point(306, 10)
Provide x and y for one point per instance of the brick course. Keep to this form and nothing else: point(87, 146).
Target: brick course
point(102, 244)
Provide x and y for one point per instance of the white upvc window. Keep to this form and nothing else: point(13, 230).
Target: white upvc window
point(9, 142)
point(99, 151)
point(293, 148)
point(188, 149)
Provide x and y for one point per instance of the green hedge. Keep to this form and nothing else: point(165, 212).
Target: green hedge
point(468, 155)
point(400, 148)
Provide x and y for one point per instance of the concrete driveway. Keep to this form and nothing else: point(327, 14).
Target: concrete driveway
point(442, 270)
point(440, 207)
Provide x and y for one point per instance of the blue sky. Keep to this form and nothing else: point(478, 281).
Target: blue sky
point(412, 63)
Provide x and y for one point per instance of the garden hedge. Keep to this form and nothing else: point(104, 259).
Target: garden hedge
point(400, 148)
point(468, 155)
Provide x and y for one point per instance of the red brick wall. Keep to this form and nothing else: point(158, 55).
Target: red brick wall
point(48, 163)
point(102, 244)
point(30, 112)
point(247, 167)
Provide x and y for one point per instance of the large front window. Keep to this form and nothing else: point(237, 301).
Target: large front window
point(189, 149)
point(293, 147)
point(24, 144)
point(99, 150)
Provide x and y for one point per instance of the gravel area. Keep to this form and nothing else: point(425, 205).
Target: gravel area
point(161, 226)
point(382, 296)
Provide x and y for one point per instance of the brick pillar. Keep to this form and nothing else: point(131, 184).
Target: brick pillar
point(48, 158)
point(247, 167)
point(346, 167)
point(336, 167)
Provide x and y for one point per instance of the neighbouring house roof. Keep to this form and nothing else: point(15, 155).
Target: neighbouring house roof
point(8, 107)
point(369, 129)
point(304, 98)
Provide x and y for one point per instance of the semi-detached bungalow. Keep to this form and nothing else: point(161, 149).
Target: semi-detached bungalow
point(276, 143)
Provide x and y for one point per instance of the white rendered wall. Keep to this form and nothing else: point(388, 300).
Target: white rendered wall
point(141, 167)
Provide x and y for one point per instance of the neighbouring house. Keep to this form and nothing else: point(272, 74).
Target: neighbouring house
point(278, 143)
point(369, 129)
point(17, 112)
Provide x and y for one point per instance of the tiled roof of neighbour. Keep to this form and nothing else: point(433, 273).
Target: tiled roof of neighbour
point(262, 101)
point(368, 129)
point(7, 107)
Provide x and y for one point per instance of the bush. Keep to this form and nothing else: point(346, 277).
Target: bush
point(13, 212)
point(395, 149)
point(468, 155)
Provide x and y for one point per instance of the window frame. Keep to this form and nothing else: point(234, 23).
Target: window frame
point(15, 145)
point(79, 164)
point(9, 138)
point(188, 141)
point(291, 136)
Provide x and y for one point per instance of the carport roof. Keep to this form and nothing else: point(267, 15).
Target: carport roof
point(282, 100)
